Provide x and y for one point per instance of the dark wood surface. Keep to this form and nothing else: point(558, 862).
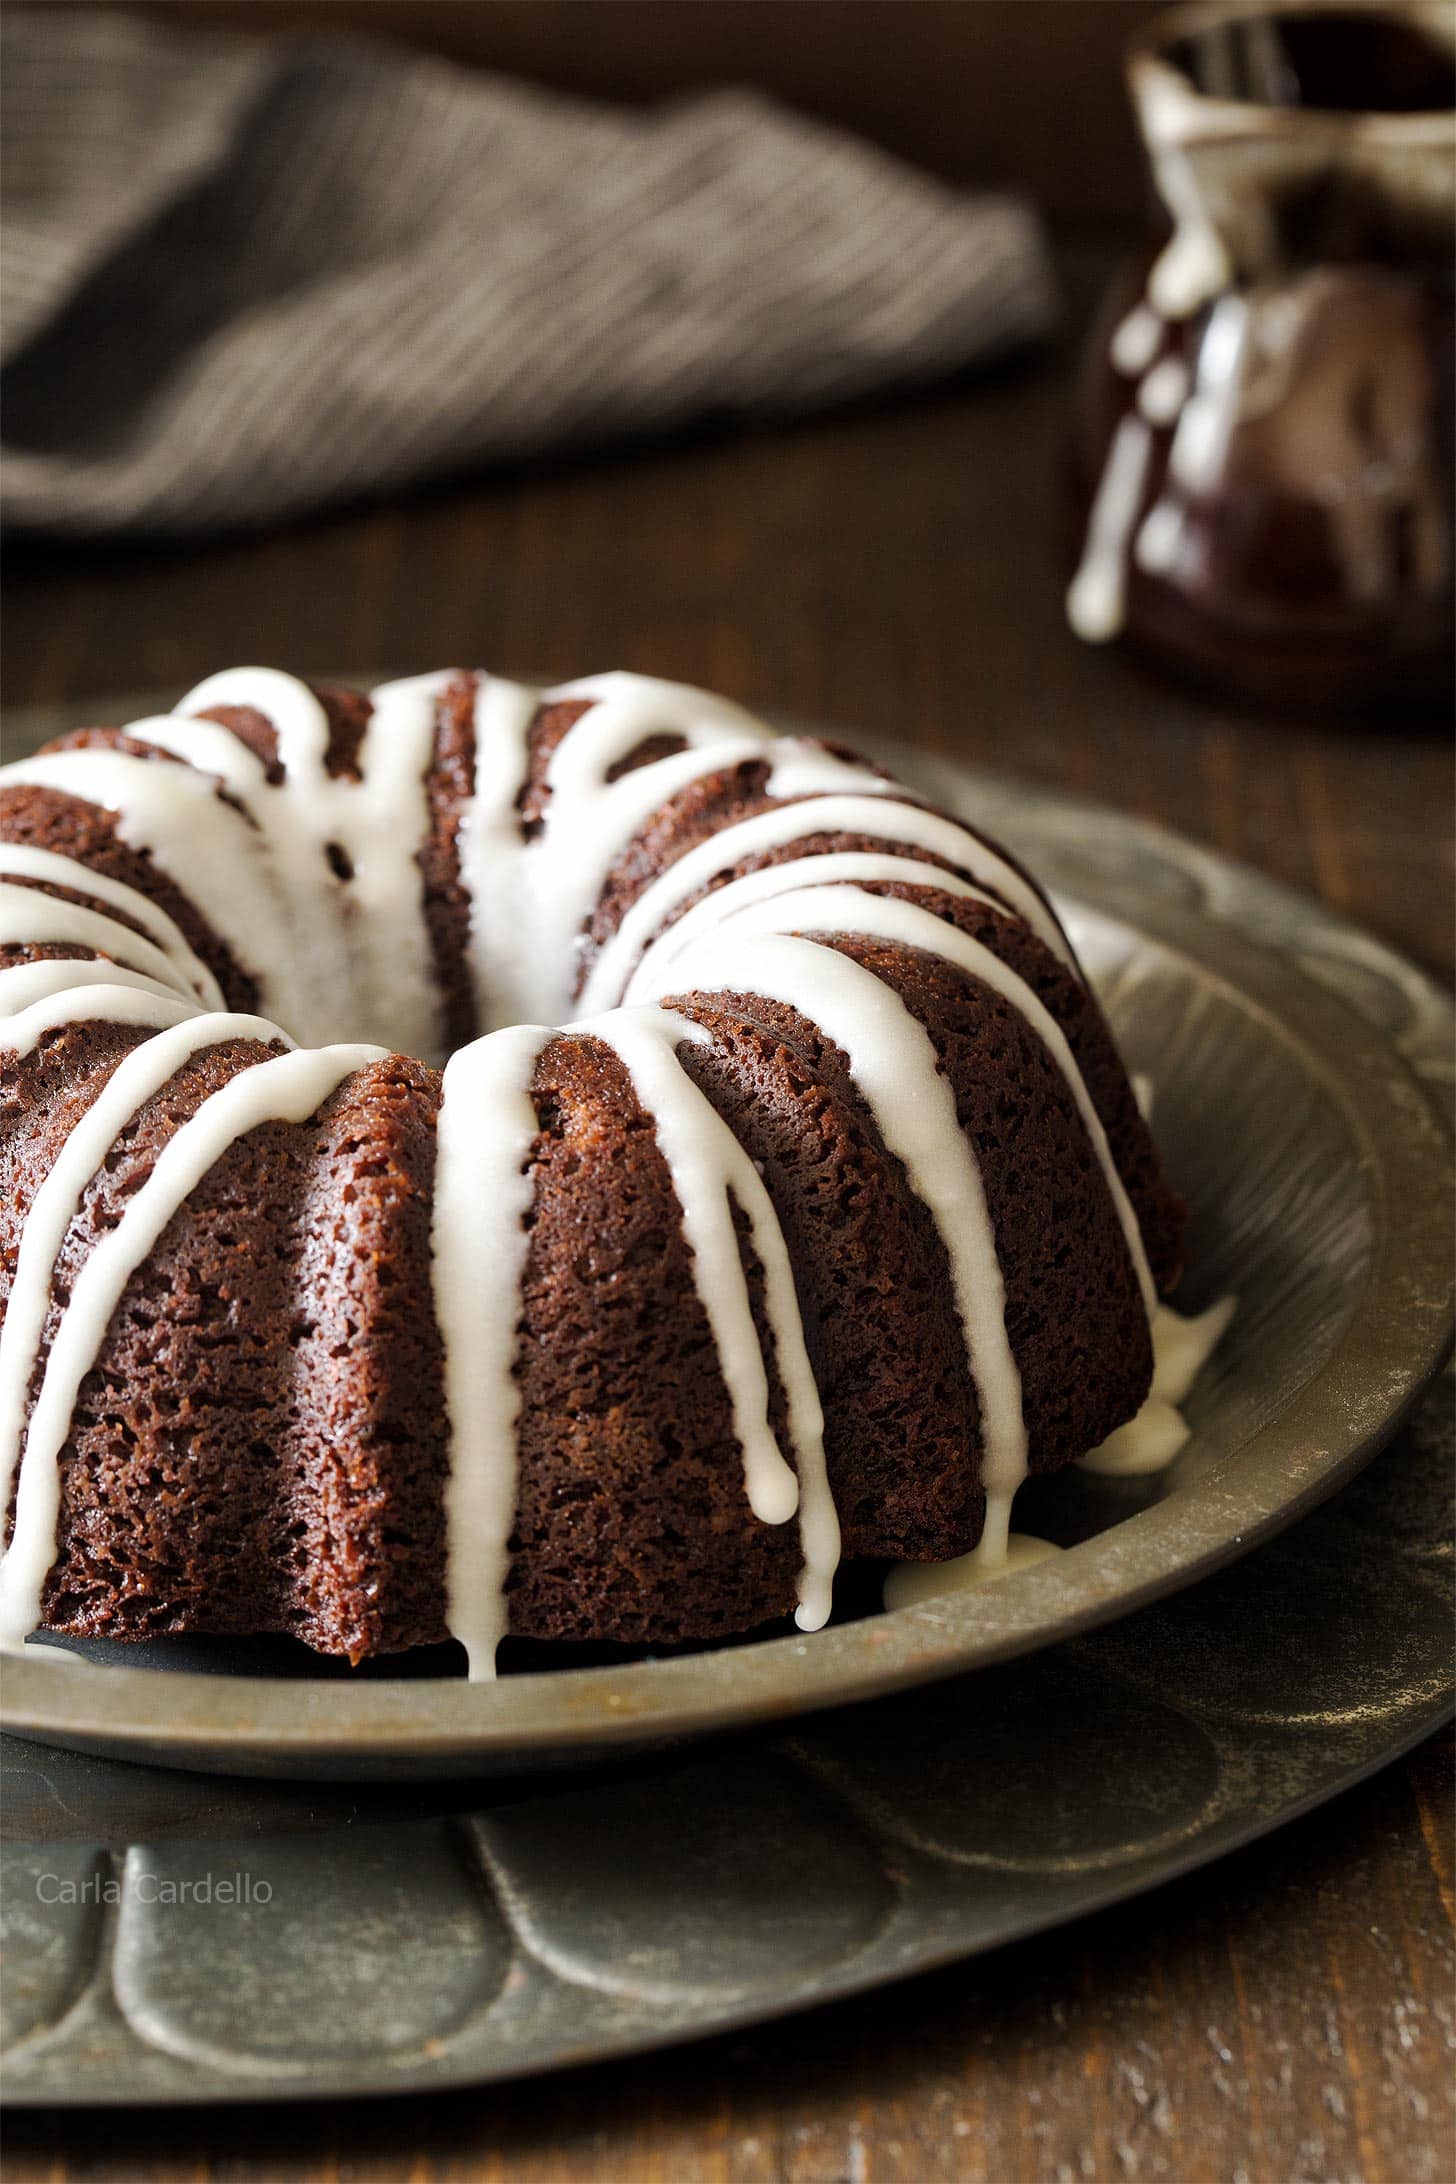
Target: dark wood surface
point(1284, 2018)
point(1024, 93)
point(1286, 2015)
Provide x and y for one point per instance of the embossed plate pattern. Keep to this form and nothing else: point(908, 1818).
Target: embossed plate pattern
point(410, 1938)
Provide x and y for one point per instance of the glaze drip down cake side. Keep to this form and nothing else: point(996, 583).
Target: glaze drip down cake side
point(348, 1299)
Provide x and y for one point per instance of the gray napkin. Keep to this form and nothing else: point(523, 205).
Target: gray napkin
point(241, 278)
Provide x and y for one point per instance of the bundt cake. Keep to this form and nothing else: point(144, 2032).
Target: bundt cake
point(829, 1215)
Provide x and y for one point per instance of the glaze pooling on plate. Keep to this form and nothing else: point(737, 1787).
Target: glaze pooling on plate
point(1146, 1445)
point(911, 1582)
point(1182, 1347)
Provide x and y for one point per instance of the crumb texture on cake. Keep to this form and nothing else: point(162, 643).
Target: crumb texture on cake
point(478, 1159)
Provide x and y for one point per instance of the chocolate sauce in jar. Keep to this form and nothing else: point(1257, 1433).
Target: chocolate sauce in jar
point(1264, 434)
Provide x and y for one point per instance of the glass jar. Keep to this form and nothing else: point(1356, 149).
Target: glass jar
point(1264, 428)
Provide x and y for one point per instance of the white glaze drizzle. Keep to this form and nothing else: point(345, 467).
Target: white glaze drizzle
point(1164, 390)
point(27, 915)
point(1201, 412)
point(210, 852)
point(588, 820)
point(300, 724)
point(1191, 271)
point(483, 1194)
point(893, 1063)
point(289, 917)
point(288, 1089)
point(832, 909)
point(24, 983)
point(19, 861)
point(1200, 444)
point(492, 852)
point(122, 999)
point(711, 1174)
point(1205, 425)
point(886, 817)
point(385, 817)
point(378, 821)
point(1097, 595)
point(531, 898)
point(704, 1160)
point(138, 1077)
point(834, 868)
point(1194, 265)
point(1136, 340)
point(801, 767)
point(1158, 547)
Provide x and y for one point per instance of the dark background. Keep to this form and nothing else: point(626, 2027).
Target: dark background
point(1023, 92)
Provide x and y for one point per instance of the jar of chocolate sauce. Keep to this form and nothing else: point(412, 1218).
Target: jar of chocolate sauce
point(1264, 431)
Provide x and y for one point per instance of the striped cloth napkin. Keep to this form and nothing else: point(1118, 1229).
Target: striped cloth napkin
point(243, 278)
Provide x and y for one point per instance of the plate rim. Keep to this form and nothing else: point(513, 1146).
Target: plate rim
point(1396, 1337)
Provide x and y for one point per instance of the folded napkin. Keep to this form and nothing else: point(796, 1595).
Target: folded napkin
point(242, 278)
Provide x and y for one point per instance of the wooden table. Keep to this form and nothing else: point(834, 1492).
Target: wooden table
point(1286, 2015)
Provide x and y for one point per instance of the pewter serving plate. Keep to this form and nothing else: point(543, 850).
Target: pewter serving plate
point(1297, 1068)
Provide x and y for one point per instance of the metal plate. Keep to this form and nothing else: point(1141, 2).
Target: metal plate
point(408, 1939)
point(1318, 1172)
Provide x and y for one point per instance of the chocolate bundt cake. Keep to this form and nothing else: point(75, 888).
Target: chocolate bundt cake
point(829, 1216)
